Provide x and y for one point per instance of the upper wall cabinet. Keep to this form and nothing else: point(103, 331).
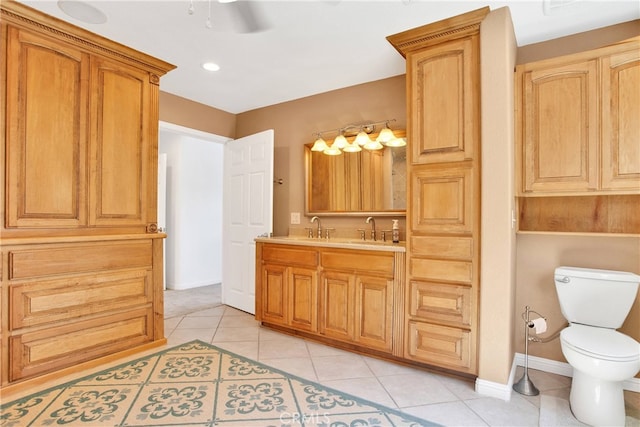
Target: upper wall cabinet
point(578, 123)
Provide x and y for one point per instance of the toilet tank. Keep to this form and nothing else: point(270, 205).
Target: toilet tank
point(595, 297)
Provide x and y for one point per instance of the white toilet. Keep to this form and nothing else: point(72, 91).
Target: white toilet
point(596, 303)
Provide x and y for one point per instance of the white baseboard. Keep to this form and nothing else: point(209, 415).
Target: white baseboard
point(503, 391)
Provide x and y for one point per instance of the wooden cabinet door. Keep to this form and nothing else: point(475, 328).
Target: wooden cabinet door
point(303, 299)
point(374, 302)
point(621, 119)
point(444, 107)
point(559, 127)
point(443, 199)
point(47, 91)
point(274, 294)
point(338, 305)
point(120, 150)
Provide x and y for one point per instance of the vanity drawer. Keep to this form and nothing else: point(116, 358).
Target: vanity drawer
point(441, 270)
point(290, 255)
point(353, 260)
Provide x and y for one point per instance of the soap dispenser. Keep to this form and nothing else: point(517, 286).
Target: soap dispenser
point(395, 231)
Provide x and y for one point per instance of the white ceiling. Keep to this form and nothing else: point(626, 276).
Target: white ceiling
point(308, 47)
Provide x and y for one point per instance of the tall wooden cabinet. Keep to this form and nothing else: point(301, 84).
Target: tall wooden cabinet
point(81, 259)
point(443, 207)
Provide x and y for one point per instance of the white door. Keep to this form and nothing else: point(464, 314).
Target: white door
point(247, 213)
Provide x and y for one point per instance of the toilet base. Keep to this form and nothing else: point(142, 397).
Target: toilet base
point(597, 402)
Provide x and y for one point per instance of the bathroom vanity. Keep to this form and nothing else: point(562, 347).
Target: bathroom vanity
point(348, 293)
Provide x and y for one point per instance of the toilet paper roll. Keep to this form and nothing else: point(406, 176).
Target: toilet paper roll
point(540, 325)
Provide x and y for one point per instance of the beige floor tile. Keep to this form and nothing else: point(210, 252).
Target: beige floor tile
point(341, 367)
point(366, 388)
point(189, 322)
point(299, 366)
point(448, 414)
point(416, 390)
point(236, 334)
point(286, 347)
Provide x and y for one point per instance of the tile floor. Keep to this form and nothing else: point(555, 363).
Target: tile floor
point(438, 398)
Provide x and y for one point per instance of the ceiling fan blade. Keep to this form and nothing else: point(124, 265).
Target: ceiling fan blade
point(246, 17)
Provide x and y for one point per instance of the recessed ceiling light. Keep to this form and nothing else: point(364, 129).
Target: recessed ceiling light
point(82, 11)
point(210, 66)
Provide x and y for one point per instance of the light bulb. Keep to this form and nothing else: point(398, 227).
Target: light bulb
point(373, 145)
point(397, 142)
point(340, 142)
point(319, 145)
point(352, 148)
point(362, 138)
point(386, 135)
point(332, 151)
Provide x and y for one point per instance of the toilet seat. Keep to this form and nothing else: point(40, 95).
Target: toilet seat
point(601, 343)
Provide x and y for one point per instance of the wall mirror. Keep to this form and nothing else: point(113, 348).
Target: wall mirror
point(361, 183)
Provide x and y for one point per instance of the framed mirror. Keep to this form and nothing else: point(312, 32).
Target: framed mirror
point(362, 183)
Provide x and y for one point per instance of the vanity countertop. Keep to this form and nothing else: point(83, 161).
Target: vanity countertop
point(342, 243)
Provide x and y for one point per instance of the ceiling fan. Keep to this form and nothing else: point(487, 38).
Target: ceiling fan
point(245, 16)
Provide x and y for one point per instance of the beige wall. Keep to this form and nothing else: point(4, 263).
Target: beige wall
point(190, 114)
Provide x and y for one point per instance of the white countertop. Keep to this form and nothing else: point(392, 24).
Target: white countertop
point(337, 242)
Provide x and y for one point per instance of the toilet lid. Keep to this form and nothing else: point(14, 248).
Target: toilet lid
point(601, 342)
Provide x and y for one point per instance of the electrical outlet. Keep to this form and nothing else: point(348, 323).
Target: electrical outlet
point(295, 217)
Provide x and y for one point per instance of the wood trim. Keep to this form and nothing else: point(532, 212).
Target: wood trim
point(437, 32)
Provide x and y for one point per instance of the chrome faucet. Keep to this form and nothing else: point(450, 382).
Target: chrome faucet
point(316, 219)
point(373, 227)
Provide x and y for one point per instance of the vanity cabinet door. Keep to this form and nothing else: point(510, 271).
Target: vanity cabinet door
point(374, 305)
point(303, 299)
point(274, 294)
point(338, 305)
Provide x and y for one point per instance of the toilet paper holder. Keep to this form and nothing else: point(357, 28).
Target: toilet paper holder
point(525, 385)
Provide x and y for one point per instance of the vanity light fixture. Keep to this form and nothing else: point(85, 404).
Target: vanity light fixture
point(362, 139)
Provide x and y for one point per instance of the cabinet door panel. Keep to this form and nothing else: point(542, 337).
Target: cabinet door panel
point(120, 146)
point(373, 316)
point(444, 102)
point(304, 299)
point(338, 305)
point(443, 199)
point(621, 120)
point(274, 294)
point(46, 132)
point(560, 128)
